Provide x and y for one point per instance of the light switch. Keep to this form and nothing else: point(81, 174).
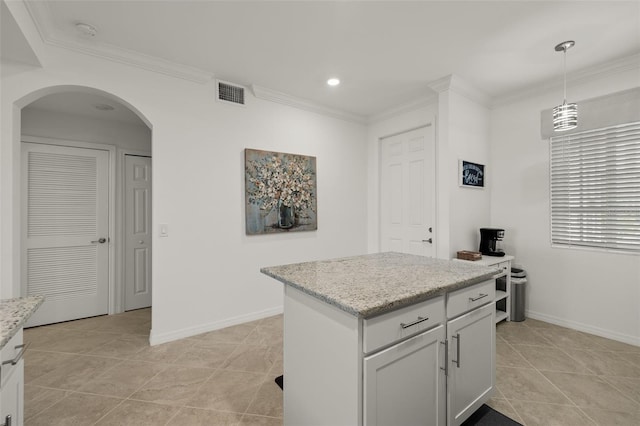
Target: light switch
point(164, 230)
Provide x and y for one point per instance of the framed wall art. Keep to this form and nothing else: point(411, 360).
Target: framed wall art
point(280, 192)
point(471, 174)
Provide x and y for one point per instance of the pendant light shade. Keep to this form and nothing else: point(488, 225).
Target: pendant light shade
point(565, 116)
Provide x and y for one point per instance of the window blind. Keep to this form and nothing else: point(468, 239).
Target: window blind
point(595, 188)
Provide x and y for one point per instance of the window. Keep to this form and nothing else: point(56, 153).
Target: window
point(595, 189)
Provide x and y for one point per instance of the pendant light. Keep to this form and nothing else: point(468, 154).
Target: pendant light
point(565, 116)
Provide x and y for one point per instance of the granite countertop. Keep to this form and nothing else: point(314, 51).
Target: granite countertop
point(14, 313)
point(370, 285)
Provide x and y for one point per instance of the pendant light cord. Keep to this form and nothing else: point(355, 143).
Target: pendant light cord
point(565, 73)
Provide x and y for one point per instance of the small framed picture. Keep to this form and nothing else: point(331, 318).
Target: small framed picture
point(471, 174)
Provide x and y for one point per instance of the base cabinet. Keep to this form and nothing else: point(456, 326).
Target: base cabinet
point(11, 407)
point(472, 368)
point(404, 385)
point(432, 363)
point(12, 382)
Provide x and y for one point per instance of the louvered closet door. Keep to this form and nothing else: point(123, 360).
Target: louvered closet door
point(65, 219)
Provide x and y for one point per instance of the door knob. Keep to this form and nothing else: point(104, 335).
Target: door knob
point(140, 242)
point(430, 241)
point(99, 241)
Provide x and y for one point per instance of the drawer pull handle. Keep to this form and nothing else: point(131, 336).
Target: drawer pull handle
point(16, 359)
point(457, 360)
point(446, 358)
point(473, 299)
point(418, 321)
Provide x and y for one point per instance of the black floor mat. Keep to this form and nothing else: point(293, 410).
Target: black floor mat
point(487, 416)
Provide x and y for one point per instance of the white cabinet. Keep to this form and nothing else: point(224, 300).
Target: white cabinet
point(12, 382)
point(404, 385)
point(340, 369)
point(503, 284)
point(471, 375)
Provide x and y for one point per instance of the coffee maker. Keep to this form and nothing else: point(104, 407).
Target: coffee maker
point(488, 238)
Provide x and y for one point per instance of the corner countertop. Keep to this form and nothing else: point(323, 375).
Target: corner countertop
point(14, 313)
point(370, 285)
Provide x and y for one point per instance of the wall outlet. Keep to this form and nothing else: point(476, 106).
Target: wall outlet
point(164, 230)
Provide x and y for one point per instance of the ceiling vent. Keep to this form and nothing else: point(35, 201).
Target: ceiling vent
point(231, 93)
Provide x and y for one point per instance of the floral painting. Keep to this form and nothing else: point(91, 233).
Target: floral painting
point(280, 192)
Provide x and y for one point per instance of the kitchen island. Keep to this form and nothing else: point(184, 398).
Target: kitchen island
point(386, 338)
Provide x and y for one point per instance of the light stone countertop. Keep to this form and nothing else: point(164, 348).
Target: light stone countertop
point(370, 285)
point(14, 313)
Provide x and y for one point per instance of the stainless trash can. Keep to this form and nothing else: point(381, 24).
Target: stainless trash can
point(518, 286)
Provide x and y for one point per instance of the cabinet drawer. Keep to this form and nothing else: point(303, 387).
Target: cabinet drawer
point(394, 326)
point(469, 298)
point(12, 351)
point(504, 267)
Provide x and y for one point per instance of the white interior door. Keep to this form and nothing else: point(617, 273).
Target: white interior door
point(65, 232)
point(407, 192)
point(137, 269)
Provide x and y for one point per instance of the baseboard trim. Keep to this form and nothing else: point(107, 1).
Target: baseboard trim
point(575, 325)
point(159, 338)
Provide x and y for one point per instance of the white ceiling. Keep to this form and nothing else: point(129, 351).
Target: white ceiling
point(385, 52)
point(13, 45)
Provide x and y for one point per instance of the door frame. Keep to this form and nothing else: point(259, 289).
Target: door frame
point(434, 208)
point(111, 149)
point(119, 297)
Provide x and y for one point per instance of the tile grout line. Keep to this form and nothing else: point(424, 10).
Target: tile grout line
point(52, 404)
point(603, 377)
point(108, 412)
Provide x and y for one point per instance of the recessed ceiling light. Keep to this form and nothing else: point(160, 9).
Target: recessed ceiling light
point(103, 107)
point(333, 82)
point(86, 30)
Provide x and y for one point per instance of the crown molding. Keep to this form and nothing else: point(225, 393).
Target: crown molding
point(442, 84)
point(40, 14)
point(460, 86)
point(284, 99)
point(585, 75)
point(429, 100)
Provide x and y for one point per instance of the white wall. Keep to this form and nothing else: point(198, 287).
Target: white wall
point(206, 273)
point(468, 140)
point(53, 124)
point(594, 291)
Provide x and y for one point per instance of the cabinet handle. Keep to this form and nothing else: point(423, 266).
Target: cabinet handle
point(7, 421)
point(446, 357)
point(16, 359)
point(473, 299)
point(418, 321)
point(457, 361)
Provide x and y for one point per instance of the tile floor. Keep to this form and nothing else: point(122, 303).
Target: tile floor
point(101, 371)
point(550, 375)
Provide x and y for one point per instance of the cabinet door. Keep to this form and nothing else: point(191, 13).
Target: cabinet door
point(472, 366)
point(11, 396)
point(404, 384)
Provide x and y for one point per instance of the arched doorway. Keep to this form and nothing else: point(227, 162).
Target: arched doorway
point(85, 170)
